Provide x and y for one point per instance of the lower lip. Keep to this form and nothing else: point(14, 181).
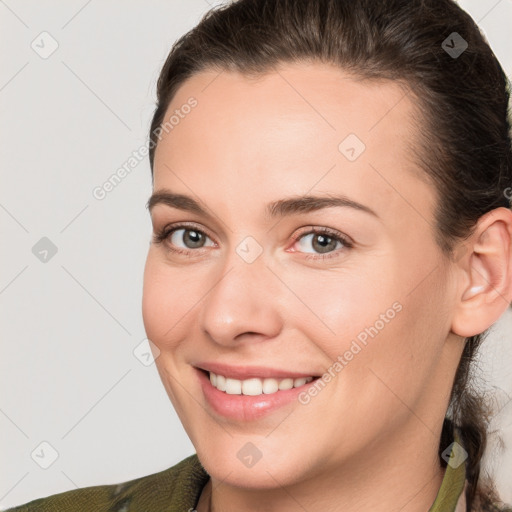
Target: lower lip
point(247, 407)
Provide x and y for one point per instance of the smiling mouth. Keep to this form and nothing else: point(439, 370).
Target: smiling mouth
point(255, 386)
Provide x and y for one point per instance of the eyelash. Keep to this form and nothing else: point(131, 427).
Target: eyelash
point(164, 233)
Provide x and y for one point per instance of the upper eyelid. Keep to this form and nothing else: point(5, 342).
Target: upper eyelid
point(302, 230)
point(171, 228)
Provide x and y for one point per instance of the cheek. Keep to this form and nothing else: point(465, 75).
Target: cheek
point(371, 322)
point(336, 307)
point(401, 330)
point(166, 300)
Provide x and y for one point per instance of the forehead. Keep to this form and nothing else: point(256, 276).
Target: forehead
point(301, 128)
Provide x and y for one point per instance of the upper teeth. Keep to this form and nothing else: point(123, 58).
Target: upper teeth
point(255, 386)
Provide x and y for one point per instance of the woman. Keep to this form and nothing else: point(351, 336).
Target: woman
point(332, 241)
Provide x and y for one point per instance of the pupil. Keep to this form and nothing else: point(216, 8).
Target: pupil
point(323, 243)
point(190, 235)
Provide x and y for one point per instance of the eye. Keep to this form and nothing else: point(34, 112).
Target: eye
point(186, 234)
point(324, 241)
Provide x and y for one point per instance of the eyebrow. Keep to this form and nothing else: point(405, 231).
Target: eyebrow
point(279, 208)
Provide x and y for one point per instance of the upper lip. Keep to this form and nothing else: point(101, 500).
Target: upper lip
point(243, 372)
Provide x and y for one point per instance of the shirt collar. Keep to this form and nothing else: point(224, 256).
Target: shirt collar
point(450, 497)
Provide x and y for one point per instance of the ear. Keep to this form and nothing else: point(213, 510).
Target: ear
point(485, 269)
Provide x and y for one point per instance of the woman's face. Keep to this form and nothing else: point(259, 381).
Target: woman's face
point(249, 291)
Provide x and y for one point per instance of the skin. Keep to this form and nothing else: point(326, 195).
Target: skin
point(369, 439)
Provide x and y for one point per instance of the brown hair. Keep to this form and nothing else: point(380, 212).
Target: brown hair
point(464, 144)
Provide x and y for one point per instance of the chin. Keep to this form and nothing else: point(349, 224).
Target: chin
point(240, 463)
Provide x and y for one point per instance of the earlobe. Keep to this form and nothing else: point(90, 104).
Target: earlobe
point(487, 275)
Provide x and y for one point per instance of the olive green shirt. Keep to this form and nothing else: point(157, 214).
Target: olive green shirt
point(178, 489)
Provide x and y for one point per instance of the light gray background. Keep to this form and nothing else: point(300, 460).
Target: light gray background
point(68, 373)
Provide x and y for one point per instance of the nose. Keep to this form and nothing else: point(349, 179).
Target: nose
point(243, 304)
